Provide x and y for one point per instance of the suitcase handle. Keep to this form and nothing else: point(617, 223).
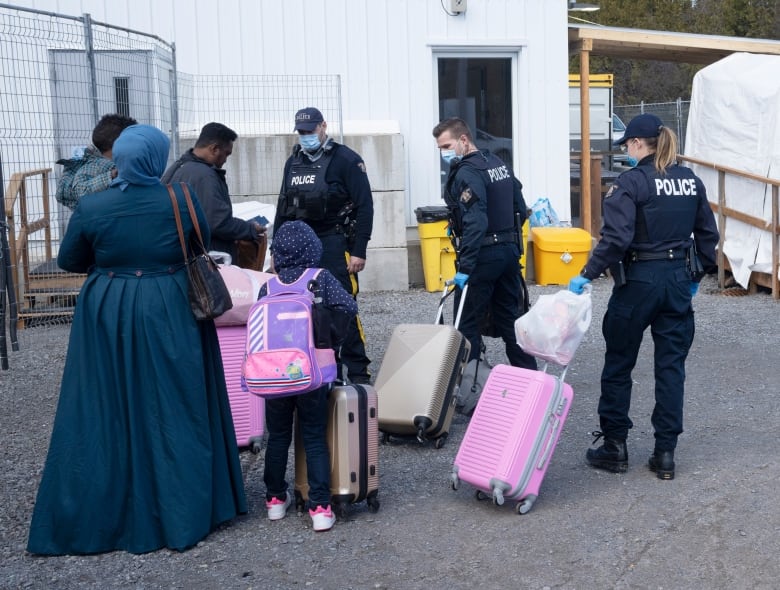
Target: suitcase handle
point(550, 442)
point(449, 289)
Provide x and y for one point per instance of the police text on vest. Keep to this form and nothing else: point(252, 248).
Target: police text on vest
point(499, 173)
point(675, 186)
point(308, 179)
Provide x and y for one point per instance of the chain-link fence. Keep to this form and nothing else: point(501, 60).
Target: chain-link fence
point(261, 110)
point(60, 74)
point(673, 114)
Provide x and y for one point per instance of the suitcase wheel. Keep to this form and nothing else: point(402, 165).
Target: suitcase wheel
point(341, 509)
point(373, 504)
point(384, 438)
point(300, 503)
point(480, 495)
point(524, 506)
point(255, 444)
point(439, 442)
point(454, 481)
point(498, 497)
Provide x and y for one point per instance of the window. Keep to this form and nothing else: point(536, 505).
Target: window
point(479, 90)
point(122, 96)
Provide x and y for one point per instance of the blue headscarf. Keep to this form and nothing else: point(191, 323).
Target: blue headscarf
point(140, 154)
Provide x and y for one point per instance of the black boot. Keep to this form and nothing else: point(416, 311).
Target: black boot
point(662, 462)
point(612, 455)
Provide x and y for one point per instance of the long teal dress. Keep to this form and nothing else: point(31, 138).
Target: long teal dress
point(143, 453)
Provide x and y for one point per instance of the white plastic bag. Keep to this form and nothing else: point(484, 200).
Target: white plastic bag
point(554, 326)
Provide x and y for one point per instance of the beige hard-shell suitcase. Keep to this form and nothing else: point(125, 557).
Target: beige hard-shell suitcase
point(419, 378)
point(353, 443)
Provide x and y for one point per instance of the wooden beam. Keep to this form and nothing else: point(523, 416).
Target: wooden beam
point(664, 45)
point(585, 48)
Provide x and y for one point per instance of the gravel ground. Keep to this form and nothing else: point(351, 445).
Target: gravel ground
point(717, 525)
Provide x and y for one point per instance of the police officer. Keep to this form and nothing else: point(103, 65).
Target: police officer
point(325, 184)
point(649, 216)
point(487, 211)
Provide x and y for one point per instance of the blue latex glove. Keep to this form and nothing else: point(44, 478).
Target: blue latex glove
point(577, 283)
point(460, 280)
point(694, 289)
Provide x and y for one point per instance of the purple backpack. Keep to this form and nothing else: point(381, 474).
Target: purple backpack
point(280, 357)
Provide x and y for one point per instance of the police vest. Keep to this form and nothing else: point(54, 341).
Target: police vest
point(669, 214)
point(500, 193)
point(306, 194)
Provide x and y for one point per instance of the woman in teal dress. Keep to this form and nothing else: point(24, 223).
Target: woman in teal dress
point(143, 453)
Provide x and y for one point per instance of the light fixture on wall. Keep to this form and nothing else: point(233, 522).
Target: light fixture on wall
point(582, 7)
point(454, 7)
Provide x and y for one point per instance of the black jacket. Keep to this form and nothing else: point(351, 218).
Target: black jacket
point(648, 212)
point(211, 189)
point(346, 175)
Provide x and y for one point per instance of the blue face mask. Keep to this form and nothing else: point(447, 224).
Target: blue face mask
point(448, 156)
point(632, 161)
point(310, 143)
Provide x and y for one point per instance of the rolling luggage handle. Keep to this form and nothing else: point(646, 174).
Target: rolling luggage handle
point(545, 363)
point(445, 293)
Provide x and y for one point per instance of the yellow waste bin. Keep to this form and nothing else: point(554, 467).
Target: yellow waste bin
point(559, 253)
point(438, 254)
point(524, 255)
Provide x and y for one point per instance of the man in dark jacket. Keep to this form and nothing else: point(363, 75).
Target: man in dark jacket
point(201, 167)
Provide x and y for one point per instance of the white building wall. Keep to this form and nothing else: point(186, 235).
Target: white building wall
point(383, 50)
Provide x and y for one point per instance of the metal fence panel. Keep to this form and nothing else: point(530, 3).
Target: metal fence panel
point(261, 110)
point(58, 75)
point(674, 114)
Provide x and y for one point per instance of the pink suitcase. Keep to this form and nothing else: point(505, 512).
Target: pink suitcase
point(512, 435)
point(248, 410)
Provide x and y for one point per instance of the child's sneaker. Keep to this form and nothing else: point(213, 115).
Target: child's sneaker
point(277, 509)
point(322, 519)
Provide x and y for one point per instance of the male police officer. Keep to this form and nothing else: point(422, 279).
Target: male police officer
point(487, 211)
point(325, 184)
point(649, 215)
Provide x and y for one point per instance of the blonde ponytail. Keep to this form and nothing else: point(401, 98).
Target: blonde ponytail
point(665, 149)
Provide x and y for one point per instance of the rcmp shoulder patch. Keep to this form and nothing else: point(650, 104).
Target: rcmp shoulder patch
point(362, 167)
point(465, 195)
point(611, 190)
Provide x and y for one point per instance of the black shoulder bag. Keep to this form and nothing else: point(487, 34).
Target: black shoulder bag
point(209, 296)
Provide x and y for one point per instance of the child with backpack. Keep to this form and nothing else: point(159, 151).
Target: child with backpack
point(295, 249)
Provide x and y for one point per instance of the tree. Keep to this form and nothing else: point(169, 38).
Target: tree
point(657, 81)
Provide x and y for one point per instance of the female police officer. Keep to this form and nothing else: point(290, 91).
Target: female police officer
point(649, 216)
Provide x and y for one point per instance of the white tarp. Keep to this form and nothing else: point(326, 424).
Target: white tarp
point(734, 121)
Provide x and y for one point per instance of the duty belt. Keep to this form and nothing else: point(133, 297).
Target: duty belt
point(331, 231)
point(500, 238)
point(636, 255)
